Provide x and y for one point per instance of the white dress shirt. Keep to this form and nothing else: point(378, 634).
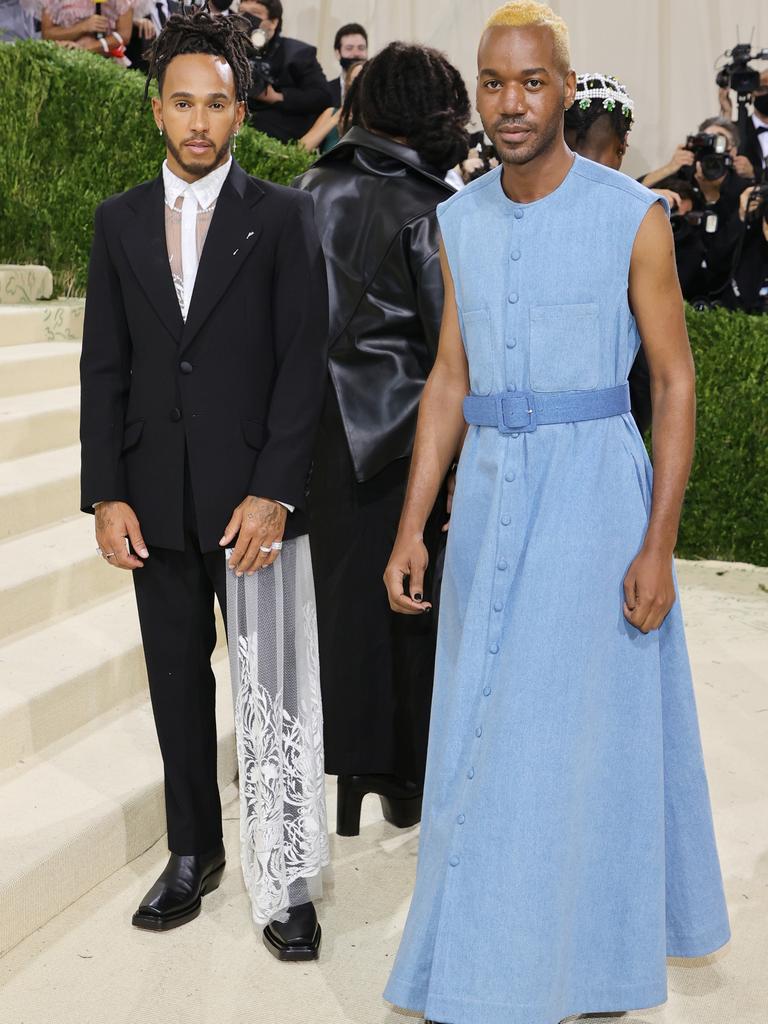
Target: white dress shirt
point(762, 138)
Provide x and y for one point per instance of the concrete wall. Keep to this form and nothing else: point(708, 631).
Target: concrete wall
point(664, 50)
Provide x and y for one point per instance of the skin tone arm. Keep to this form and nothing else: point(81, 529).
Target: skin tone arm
point(439, 435)
point(124, 27)
point(656, 301)
point(88, 26)
point(316, 135)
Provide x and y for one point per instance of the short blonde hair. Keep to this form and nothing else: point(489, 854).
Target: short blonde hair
point(524, 13)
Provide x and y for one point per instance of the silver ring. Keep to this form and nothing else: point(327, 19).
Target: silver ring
point(267, 551)
point(277, 546)
point(110, 554)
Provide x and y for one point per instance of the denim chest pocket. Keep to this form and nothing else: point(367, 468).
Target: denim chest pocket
point(565, 347)
point(478, 343)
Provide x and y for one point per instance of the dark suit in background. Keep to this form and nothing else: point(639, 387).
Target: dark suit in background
point(184, 420)
point(299, 77)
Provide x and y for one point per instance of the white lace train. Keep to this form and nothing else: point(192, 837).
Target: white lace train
point(272, 627)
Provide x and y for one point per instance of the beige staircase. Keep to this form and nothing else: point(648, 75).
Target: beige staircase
point(80, 773)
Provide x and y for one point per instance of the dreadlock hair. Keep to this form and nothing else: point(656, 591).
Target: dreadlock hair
point(201, 32)
point(414, 92)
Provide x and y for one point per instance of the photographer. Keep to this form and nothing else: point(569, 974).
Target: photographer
point(754, 144)
point(290, 89)
point(749, 287)
point(707, 171)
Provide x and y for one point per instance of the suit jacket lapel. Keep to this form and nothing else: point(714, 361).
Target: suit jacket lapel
point(144, 244)
point(234, 231)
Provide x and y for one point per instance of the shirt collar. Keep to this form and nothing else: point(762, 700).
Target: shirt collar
point(757, 122)
point(205, 190)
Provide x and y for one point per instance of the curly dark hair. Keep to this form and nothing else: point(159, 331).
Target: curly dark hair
point(201, 32)
point(415, 93)
point(583, 122)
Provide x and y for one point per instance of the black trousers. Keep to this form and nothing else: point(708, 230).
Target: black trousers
point(175, 597)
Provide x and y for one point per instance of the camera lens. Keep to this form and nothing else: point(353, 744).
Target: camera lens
point(713, 165)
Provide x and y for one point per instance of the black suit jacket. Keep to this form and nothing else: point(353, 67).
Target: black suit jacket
point(751, 148)
point(237, 389)
point(304, 87)
point(334, 87)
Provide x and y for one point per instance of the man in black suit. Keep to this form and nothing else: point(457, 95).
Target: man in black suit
point(288, 108)
point(350, 46)
point(202, 383)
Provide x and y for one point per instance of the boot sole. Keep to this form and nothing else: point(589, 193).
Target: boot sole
point(154, 923)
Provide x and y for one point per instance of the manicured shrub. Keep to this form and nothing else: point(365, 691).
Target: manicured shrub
point(75, 129)
point(726, 505)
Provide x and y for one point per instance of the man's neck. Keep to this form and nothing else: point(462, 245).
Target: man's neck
point(525, 183)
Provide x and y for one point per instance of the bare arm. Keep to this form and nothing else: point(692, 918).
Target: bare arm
point(439, 434)
point(658, 307)
point(317, 134)
point(58, 33)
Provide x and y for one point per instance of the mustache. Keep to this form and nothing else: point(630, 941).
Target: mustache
point(198, 139)
point(512, 122)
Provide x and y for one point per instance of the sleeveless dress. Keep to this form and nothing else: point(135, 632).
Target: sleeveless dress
point(567, 844)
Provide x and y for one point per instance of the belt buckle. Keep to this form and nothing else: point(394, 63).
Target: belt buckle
point(516, 412)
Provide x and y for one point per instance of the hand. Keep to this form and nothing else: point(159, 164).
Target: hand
point(451, 488)
point(672, 198)
point(743, 166)
point(116, 525)
point(95, 24)
point(409, 558)
point(270, 96)
point(682, 157)
point(145, 28)
point(649, 590)
point(744, 199)
point(726, 103)
point(260, 523)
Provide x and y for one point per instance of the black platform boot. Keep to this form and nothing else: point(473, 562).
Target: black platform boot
point(400, 801)
point(176, 896)
point(298, 939)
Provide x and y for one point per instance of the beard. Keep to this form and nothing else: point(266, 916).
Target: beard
point(538, 142)
point(198, 168)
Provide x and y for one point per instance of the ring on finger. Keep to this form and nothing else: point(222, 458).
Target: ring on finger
point(267, 551)
point(277, 546)
point(110, 554)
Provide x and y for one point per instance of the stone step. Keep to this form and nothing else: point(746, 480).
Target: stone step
point(30, 323)
point(51, 573)
point(91, 805)
point(24, 283)
point(25, 368)
point(38, 490)
point(65, 675)
point(38, 421)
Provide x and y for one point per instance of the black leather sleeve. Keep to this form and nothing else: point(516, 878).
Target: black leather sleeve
point(310, 93)
point(300, 326)
point(105, 366)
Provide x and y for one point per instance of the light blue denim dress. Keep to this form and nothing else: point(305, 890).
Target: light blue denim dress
point(567, 845)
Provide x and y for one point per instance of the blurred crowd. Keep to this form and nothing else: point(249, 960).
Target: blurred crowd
point(715, 182)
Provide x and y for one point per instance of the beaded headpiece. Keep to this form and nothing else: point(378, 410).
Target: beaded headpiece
point(606, 88)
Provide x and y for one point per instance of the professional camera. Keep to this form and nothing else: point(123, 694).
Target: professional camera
point(758, 203)
point(261, 69)
point(738, 75)
point(710, 152)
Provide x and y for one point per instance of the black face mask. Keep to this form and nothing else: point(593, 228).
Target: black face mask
point(760, 103)
point(347, 62)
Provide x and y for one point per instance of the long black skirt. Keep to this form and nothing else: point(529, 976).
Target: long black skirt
point(376, 666)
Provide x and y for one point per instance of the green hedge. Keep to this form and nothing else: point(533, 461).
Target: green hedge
point(726, 505)
point(75, 129)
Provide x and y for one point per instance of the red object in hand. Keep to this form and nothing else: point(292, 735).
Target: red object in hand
point(118, 51)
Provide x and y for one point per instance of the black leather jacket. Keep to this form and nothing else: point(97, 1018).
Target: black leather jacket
point(375, 208)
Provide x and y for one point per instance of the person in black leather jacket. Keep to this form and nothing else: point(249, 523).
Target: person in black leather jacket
point(288, 108)
point(375, 198)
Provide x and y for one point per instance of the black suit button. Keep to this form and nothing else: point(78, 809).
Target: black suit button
point(185, 367)
point(175, 415)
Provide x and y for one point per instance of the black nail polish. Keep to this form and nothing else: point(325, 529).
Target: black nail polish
point(417, 597)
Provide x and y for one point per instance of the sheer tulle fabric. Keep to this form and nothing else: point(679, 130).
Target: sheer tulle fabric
point(279, 726)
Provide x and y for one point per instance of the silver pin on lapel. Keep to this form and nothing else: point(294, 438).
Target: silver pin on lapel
point(235, 252)
point(248, 235)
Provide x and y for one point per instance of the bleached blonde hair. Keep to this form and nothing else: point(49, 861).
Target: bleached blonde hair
point(524, 13)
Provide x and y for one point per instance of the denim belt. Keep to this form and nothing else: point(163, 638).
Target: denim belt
point(513, 412)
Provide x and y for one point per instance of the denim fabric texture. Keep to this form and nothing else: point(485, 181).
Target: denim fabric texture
point(567, 844)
